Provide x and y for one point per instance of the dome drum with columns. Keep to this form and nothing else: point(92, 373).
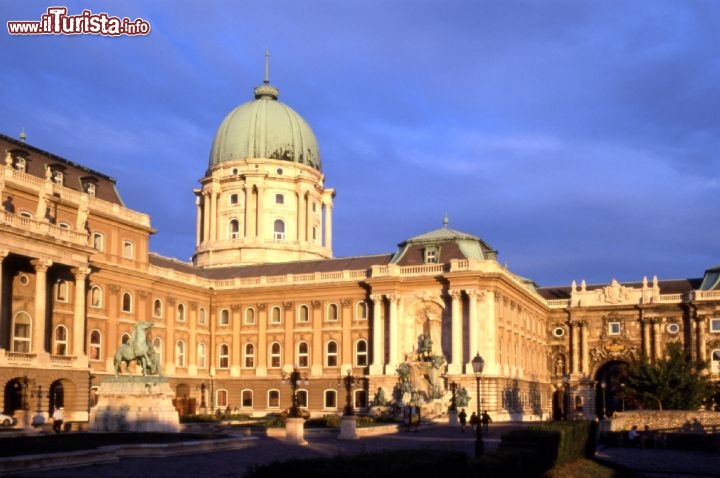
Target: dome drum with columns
point(263, 199)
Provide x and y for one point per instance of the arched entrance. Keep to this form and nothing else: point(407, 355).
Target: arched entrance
point(16, 395)
point(182, 402)
point(57, 396)
point(610, 395)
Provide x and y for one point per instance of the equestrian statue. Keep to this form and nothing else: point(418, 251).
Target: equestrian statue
point(140, 350)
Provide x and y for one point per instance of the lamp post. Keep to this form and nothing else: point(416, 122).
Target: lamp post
point(294, 424)
point(347, 382)
point(478, 364)
point(294, 378)
point(603, 384)
point(622, 394)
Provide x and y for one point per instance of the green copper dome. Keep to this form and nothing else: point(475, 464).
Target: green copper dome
point(265, 128)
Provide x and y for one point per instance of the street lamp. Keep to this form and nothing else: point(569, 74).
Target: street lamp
point(603, 384)
point(453, 401)
point(348, 381)
point(478, 364)
point(294, 378)
point(622, 394)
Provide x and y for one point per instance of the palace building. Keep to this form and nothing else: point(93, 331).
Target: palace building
point(264, 296)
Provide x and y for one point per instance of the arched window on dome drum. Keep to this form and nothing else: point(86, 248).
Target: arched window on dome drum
point(234, 229)
point(279, 230)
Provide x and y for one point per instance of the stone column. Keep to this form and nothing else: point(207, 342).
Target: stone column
point(41, 267)
point(206, 215)
point(213, 214)
point(585, 363)
point(378, 343)
point(246, 220)
point(259, 211)
point(328, 225)
point(701, 349)
point(300, 216)
point(656, 338)
point(198, 220)
point(474, 329)
point(261, 354)
point(192, 316)
point(393, 332)
point(575, 346)
point(646, 337)
point(309, 218)
point(235, 355)
point(78, 340)
point(455, 365)
point(3, 255)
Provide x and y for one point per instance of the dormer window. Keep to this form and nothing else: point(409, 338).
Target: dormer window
point(20, 163)
point(89, 186)
point(432, 255)
point(56, 174)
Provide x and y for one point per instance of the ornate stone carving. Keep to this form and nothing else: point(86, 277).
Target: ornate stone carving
point(346, 302)
point(316, 304)
point(614, 293)
point(288, 305)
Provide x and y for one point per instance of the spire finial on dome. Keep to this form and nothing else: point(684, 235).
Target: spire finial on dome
point(445, 221)
point(267, 67)
point(266, 90)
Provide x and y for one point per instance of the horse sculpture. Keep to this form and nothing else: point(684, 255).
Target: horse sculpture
point(139, 350)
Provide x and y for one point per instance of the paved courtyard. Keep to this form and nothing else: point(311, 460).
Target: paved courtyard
point(654, 463)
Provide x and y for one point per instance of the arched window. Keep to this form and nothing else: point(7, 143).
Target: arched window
point(303, 313)
point(234, 229)
point(275, 315)
point(181, 313)
point(96, 297)
point(224, 317)
point(95, 347)
point(279, 230)
point(273, 399)
point(275, 355)
point(180, 353)
point(331, 355)
point(330, 399)
point(124, 338)
point(361, 311)
point(61, 291)
point(202, 316)
point(202, 355)
point(224, 356)
point(303, 354)
point(22, 328)
point(332, 313)
point(233, 199)
point(127, 302)
point(60, 339)
point(158, 346)
point(246, 399)
point(361, 353)
point(157, 308)
point(249, 359)
point(249, 316)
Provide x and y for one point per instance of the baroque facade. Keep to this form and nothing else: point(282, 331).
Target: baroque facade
point(263, 295)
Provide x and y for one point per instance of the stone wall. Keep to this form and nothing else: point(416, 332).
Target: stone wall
point(691, 421)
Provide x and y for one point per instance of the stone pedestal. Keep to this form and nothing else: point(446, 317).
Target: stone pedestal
point(134, 404)
point(348, 427)
point(453, 418)
point(295, 431)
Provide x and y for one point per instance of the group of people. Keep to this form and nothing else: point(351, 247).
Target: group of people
point(645, 437)
point(475, 421)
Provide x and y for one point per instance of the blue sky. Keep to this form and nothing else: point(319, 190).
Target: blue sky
point(579, 138)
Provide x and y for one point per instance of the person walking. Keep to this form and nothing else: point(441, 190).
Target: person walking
point(462, 416)
point(58, 417)
point(474, 421)
point(485, 420)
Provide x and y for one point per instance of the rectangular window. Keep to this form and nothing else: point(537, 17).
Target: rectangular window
point(715, 325)
point(614, 328)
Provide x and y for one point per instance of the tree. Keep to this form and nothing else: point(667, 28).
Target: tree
point(675, 382)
